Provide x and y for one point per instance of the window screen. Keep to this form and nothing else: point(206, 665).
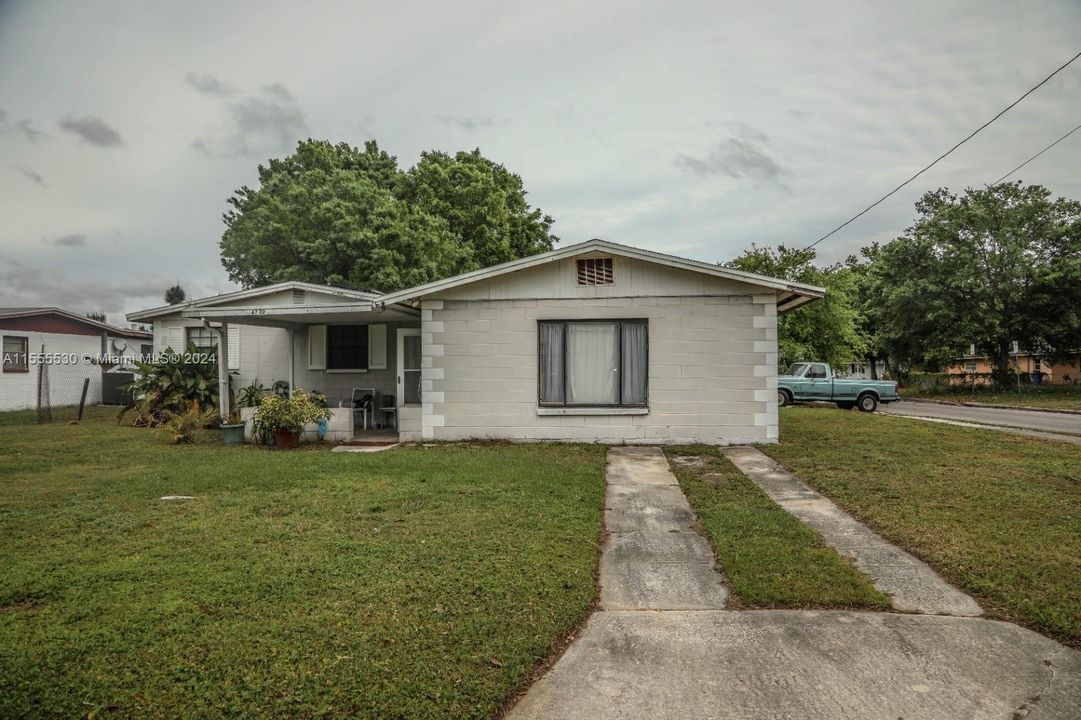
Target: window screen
point(347, 347)
point(15, 350)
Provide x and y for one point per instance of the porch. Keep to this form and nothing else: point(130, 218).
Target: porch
point(355, 354)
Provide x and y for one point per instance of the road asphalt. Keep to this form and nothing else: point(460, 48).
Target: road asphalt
point(1047, 422)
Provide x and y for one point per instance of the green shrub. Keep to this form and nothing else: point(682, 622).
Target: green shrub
point(290, 414)
point(172, 385)
point(181, 428)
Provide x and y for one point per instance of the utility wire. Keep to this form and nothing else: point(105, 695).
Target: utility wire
point(1011, 172)
point(971, 135)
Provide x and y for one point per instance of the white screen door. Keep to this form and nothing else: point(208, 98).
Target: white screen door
point(408, 366)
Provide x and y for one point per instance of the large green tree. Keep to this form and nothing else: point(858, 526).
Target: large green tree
point(341, 215)
point(991, 267)
point(827, 330)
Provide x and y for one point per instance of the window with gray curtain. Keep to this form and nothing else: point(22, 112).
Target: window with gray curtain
point(598, 363)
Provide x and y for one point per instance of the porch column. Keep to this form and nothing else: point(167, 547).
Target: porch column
point(292, 359)
point(223, 371)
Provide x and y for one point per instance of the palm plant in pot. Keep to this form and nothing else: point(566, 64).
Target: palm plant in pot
point(285, 418)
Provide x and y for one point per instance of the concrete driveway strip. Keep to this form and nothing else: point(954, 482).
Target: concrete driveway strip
point(913, 586)
point(1063, 423)
point(659, 647)
point(805, 665)
point(653, 558)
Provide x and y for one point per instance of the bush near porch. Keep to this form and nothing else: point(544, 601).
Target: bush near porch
point(417, 582)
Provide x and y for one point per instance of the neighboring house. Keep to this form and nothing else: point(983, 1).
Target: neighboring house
point(595, 342)
point(971, 366)
point(74, 346)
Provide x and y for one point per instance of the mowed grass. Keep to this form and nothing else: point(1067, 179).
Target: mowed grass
point(770, 558)
point(417, 582)
point(1042, 397)
point(997, 514)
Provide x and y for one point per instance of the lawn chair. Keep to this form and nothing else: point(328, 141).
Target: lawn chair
point(362, 400)
point(388, 410)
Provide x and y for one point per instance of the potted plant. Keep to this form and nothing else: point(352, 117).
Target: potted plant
point(285, 418)
point(232, 430)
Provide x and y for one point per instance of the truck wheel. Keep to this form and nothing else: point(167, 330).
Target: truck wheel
point(867, 403)
point(783, 398)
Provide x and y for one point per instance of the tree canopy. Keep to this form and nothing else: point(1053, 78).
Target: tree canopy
point(828, 329)
point(988, 268)
point(340, 215)
point(175, 295)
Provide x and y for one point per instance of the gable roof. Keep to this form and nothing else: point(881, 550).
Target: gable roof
point(789, 294)
point(26, 312)
point(212, 300)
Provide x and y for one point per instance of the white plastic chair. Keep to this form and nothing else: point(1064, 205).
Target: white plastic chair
point(367, 412)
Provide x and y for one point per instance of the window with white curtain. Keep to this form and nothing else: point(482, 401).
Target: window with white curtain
point(597, 363)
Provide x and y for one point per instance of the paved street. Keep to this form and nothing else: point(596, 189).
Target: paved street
point(1028, 419)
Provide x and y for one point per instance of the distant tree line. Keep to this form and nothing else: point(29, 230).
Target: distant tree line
point(989, 268)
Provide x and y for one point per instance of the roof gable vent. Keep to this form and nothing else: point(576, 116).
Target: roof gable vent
point(595, 271)
point(299, 296)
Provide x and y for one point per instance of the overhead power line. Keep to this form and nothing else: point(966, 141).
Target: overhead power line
point(1011, 172)
point(971, 135)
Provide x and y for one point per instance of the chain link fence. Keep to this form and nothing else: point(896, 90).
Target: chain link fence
point(58, 387)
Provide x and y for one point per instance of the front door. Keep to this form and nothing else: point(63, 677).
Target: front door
point(408, 366)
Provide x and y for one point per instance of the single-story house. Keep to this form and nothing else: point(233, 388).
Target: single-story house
point(69, 348)
point(594, 342)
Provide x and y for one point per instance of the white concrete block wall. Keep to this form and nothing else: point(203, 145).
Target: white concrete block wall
point(712, 370)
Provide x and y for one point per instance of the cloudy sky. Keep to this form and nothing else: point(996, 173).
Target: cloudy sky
point(693, 128)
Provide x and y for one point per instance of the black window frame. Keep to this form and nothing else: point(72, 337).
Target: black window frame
point(362, 332)
point(25, 353)
point(619, 323)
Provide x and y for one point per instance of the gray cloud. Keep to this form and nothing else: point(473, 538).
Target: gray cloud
point(30, 175)
point(92, 130)
point(69, 241)
point(20, 127)
point(22, 284)
point(266, 122)
point(365, 126)
point(467, 122)
point(209, 85)
point(738, 158)
point(28, 131)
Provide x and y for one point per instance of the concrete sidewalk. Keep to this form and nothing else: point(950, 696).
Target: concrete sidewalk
point(715, 663)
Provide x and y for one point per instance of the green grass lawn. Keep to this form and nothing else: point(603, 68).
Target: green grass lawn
point(417, 582)
point(1055, 397)
point(770, 558)
point(997, 514)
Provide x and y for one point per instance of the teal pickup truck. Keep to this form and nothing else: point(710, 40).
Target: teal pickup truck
point(810, 382)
